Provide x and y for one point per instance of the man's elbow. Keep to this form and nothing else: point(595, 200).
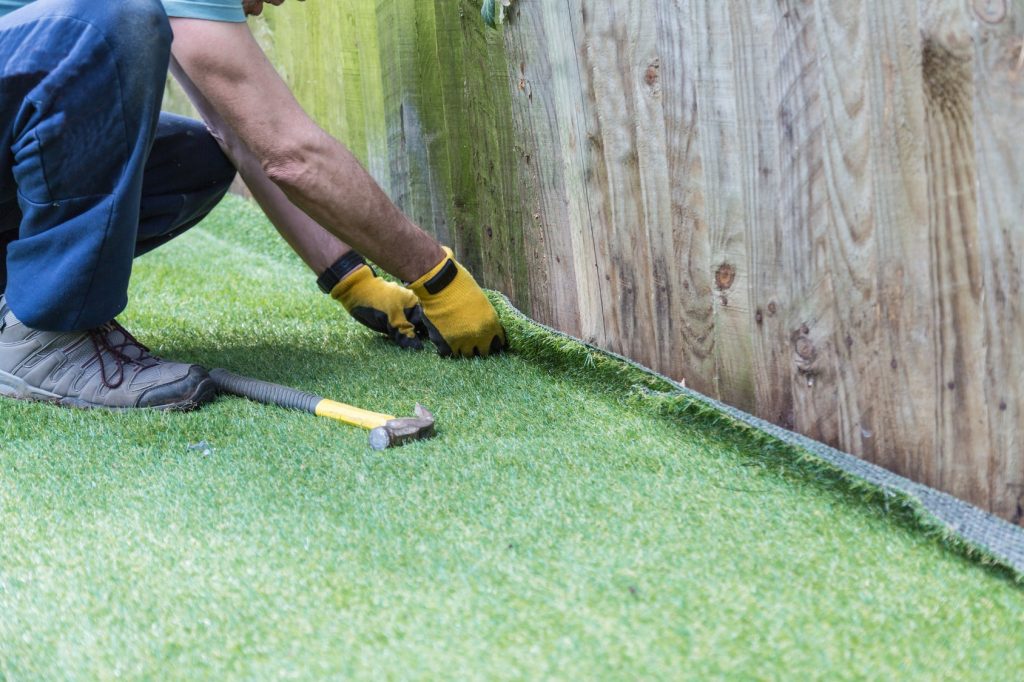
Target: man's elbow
point(288, 174)
point(291, 164)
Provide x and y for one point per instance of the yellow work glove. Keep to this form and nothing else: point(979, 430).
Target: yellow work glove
point(382, 306)
point(457, 316)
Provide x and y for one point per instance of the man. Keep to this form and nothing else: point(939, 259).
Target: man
point(97, 175)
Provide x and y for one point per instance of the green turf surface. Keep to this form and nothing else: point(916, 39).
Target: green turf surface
point(557, 527)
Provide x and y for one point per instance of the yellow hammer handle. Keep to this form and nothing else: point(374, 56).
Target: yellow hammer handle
point(351, 415)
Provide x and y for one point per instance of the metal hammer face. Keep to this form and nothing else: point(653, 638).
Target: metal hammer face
point(400, 431)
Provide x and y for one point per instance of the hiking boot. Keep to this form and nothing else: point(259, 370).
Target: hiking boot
point(102, 367)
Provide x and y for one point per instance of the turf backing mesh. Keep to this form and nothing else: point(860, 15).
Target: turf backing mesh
point(967, 527)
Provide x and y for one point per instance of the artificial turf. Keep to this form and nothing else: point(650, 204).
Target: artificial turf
point(558, 526)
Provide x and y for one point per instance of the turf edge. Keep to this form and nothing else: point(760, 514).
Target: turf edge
point(650, 390)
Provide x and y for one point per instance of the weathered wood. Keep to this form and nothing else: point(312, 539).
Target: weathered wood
point(417, 186)
point(808, 311)
point(999, 112)
point(807, 208)
point(682, 264)
point(548, 232)
point(558, 137)
point(947, 64)
point(614, 37)
point(728, 109)
point(899, 394)
point(486, 205)
point(423, 107)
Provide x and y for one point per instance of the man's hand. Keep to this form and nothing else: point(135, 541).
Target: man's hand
point(457, 316)
point(255, 7)
point(380, 305)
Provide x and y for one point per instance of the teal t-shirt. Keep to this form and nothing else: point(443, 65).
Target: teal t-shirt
point(217, 10)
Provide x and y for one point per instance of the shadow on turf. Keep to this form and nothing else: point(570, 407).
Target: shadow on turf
point(296, 365)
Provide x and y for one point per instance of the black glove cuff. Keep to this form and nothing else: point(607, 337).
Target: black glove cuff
point(334, 274)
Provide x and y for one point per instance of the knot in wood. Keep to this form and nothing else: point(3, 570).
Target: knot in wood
point(725, 276)
point(991, 11)
point(651, 74)
point(805, 349)
point(948, 74)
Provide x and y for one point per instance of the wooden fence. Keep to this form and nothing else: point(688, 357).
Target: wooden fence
point(808, 209)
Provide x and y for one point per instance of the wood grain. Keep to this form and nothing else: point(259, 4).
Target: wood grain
point(538, 116)
point(682, 258)
point(589, 185)
point(559, 134)
point(416, 186)
point(809, 313)
point(479, 133)
point(998, 107)
point(612, 51)
point(729, 112)
point(958, 330)
point(898, 392)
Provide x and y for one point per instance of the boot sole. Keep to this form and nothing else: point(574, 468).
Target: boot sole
point(17, 388)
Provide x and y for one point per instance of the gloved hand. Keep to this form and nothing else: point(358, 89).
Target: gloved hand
point(457, 316)
point(382, 306)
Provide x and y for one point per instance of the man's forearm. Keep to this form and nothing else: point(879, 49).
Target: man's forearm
point(330, 185)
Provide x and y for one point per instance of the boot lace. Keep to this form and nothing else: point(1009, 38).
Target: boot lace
point(105, 350)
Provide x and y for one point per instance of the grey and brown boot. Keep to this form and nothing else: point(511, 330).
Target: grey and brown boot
point(102, 367)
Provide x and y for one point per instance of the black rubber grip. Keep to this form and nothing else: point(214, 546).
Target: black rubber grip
point(264, 391)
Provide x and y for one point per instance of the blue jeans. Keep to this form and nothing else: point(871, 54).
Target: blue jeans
point(95, 174)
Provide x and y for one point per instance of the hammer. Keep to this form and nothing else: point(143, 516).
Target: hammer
point(385, 431)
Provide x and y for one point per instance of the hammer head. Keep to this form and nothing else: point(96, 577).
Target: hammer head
point(400, 431)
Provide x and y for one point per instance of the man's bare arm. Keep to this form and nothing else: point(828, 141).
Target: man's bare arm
point(224, 64)
point(315, 245)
